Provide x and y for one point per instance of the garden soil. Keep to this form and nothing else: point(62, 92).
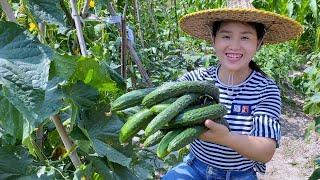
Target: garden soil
point(294, 159)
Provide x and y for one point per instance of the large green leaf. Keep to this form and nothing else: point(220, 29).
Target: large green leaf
point(111, 153)
point(81, 95)
point(90, 72)
point(100, 167)
point(103, 132)
point(63, 66)
point(10, 119)
point(14, 162)
point(49, 11)
point(24, 69)
point(121, 172)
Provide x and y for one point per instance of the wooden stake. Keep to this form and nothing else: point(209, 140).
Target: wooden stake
point(132, 50)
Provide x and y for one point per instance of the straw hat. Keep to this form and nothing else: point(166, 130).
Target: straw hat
point(278, 28)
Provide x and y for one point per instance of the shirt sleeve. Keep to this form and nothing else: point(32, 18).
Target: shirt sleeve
point(266, 115)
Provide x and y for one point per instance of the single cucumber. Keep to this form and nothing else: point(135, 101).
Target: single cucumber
point(126, 113)
point(134, 124)
point(185, 137)
point(169, 113)
point(199, 115)
point(154, 138)
point(158, 108)
point(164, 143)
point(130, 99)
point(175, 89)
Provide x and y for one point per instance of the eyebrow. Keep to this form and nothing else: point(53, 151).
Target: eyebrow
point(228, 32)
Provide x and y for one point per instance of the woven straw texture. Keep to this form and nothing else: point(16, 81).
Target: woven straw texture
point(279, 28)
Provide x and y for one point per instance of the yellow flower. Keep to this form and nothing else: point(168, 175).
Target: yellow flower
point(32, 26)
point(91, 4)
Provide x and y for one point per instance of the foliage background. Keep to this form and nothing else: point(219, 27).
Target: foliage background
point(42, 74)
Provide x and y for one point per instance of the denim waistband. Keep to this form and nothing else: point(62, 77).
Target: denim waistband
point(209, 170)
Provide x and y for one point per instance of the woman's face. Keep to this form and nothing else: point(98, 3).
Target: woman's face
point(235, 44)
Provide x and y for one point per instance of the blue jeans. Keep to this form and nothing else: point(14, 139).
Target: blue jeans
point(192, 168)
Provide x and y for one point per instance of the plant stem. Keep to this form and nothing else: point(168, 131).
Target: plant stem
point(77, 22)
point(66, 141)
point(7, 9)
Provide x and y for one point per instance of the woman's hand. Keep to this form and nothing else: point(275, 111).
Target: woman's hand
point(217, 133)
point(252, 147)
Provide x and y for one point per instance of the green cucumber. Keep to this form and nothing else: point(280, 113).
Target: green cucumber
point(164, 143)
point(185, 137)
point(130, 99)
point(199, 115)
point(158, 108)
point(175, 89)
point(170, 112)
point(154, 139)
point(134, 124)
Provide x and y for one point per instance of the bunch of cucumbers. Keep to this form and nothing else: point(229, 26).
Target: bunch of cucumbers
point(172, 114)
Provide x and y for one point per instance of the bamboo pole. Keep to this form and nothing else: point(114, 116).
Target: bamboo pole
point(8, 11)
point(66, 140)
point(137, 15)
point(132, 50)
point(124, 44)
point(77, 22)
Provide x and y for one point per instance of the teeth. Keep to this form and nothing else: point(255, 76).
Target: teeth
point(234, 55)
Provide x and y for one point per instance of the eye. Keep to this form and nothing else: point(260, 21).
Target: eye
point(225, 37)
point(245, 38)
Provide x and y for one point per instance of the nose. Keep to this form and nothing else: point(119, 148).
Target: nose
point(234, 44)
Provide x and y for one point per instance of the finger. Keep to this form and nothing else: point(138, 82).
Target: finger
point(210, 124)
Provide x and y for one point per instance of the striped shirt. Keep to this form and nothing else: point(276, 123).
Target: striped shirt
point(253, 109)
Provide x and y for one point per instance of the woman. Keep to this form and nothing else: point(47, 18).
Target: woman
point(252, 99)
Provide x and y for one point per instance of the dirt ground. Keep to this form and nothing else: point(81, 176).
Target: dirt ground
point(294, 159)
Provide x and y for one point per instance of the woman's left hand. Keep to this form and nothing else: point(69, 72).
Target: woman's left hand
point(217, 133)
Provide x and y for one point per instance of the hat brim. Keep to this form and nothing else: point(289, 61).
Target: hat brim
point(279, 28)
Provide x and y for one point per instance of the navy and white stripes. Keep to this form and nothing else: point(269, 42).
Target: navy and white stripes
point(254, 108)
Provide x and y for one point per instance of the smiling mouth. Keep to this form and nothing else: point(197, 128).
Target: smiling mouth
point(234, 56)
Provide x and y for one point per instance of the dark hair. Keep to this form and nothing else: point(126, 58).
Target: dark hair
point(260, 29)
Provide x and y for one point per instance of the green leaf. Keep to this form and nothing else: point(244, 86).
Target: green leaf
point(315, 175)
point(315, 98)
point(53, 100)
point(83, 171)
point(103, 131)
point(10, 119)
point(314, 8)
point(77, 134)
point(123, 173)
point(24, 70)
point(100, 167)
point(63, 66)
point(14, 162)
point(90, 71)
point(112, 154)
point(114, 75)
point(49, 11)
point(81, 95)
